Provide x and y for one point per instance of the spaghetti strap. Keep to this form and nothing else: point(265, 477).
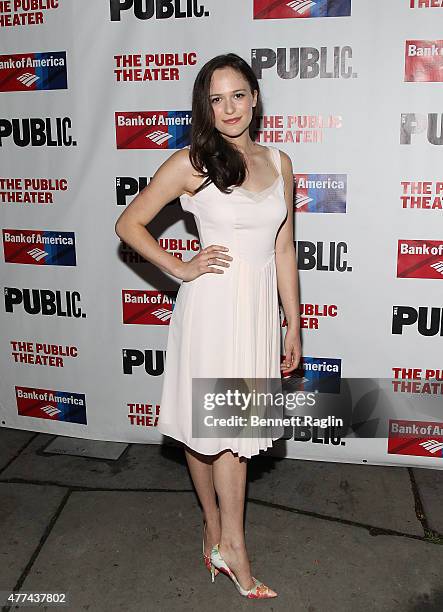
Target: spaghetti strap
point(276, 158)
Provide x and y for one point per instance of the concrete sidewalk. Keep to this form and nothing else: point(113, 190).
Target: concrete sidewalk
point(126, 534)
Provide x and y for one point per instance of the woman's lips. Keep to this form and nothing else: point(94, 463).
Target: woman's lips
point(232, 120)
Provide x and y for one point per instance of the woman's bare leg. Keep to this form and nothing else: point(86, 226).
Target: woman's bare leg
point(200, 467)
point(229, 473)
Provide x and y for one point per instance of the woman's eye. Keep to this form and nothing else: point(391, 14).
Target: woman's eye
point(242, 95)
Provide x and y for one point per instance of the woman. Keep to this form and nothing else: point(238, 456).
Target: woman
point(226, 318)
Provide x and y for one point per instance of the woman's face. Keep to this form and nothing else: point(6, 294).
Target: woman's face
point(230, 98)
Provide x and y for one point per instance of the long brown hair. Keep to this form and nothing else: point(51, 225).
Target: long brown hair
point(211, 154)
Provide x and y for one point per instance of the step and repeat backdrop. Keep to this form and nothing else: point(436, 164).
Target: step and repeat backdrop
point(96, 95)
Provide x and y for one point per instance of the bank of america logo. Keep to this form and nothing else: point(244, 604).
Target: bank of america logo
point(432, 446)
point(37, 254)
point(438, 266)
point(28, 79)
point(302, 200)
point(50, 410)
point(300, 6)
point(159, 137)
point(163, 314)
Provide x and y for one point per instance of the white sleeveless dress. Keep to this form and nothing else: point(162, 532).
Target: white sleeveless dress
point(226, 325)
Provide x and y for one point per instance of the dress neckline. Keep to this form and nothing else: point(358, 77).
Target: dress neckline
point(256, 194)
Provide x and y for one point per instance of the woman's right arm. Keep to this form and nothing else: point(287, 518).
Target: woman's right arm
point(169, 182)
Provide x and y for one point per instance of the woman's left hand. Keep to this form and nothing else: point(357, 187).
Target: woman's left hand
point(292, 351)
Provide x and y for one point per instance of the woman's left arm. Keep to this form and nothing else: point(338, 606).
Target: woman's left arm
point(287, 273)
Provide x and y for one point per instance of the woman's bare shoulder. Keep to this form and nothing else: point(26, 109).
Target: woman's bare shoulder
point(179, 160)
point(286, 162)
point(284, 156)
point(179, 164)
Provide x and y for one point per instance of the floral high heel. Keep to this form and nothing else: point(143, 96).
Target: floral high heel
point(207, 558)
point(258, 591)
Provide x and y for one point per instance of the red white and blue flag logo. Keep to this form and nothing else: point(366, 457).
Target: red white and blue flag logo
point(301, 9)
point(33, 71)
point(39, 247)
point(152, 129)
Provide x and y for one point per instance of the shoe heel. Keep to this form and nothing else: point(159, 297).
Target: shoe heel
point(207, 558)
